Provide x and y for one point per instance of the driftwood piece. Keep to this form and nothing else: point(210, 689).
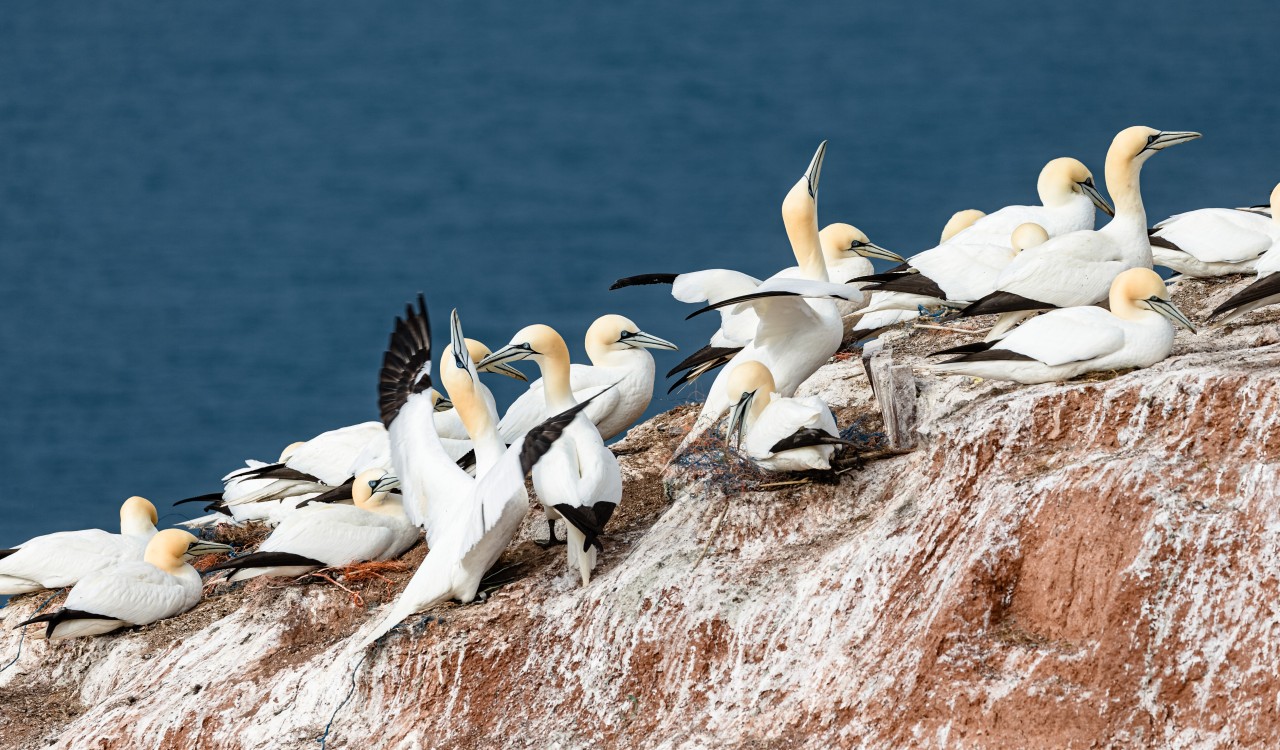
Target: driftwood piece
point(895, 389)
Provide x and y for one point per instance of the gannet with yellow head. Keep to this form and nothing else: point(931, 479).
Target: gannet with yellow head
point(620, 364)
point(776, 432)
point(1078, 268)
point(1138, 331)
point(373, 528)
point(61, 559)
point(139, 592)
point(578, 478)
point(1217, 241)
point(470, 526)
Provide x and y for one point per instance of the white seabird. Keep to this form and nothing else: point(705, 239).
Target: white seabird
point(1078, 268)
point(1216, 241)
point(1061, 344)
point(959, 221)
point(776, 432)
point(619, 364)
point(140, 592)
point(472, 520)
point(578, 479)
point(324, 536)
point(61, 559)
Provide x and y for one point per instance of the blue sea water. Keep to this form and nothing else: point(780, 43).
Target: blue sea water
point(211, 212)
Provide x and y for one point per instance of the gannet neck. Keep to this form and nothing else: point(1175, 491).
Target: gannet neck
point(553, 361)
point(800, 217)
point(1128, 152)
point(138, 518)
point(477, 418)
point(166, 550)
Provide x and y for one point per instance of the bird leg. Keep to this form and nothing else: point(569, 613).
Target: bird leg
point(551, 533)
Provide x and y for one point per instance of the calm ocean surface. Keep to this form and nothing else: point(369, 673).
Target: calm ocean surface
point(211, 212)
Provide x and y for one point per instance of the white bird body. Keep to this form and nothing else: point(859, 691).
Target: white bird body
point(1215, 241)
point(138, 592)
point(61, 559)
point(1077, 268)
point(1074, 213)
point(1062, 344)
point(779, 433)
point(621, 374)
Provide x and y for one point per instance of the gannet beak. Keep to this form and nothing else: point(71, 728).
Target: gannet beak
point(872, 250)
point(1169, 138)
point(458, 343)
point(737, 420)
point(814, 171)
point(508, 353)
point(443, 404)
point(1170, 311)
point(385, 484)
point(642, 340)
point(201, 547)
point(1095, 195)
point(507, 370)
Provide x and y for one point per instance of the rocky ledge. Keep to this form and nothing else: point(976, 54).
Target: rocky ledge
point(1086, 564)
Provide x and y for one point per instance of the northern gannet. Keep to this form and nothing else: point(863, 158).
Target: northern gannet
point(1262, 292)
point(1216, 241)
point(776, 432)
point(326, 536)
point(799, 326)
point(1078, 268)
point(578, 478)
point(140, 592)
point(61, 559)
point(1061, 344)
point(619, 364)
point(474, 520)
point(959, 221)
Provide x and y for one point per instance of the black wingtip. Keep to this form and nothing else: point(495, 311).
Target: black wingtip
point(266, 560)
point(205, 498)
point(644, 279)
point(540, 439)
point(980, 346)
point(1260, 289)
point(1003, 302)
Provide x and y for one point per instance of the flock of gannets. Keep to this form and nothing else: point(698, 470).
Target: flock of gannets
point(453, 466)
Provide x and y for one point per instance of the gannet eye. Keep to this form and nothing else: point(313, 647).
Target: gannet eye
point(1151, 139)
point(627, 335)
point(373, 483)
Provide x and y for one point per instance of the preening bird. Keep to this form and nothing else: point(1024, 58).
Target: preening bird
point(578, 478)
point(776, 432)
point(61, 559)
point(473, 521)
point(327, 536)
point(620, 365)
point(1061, 344)
point(1216, 241)
point(1077, 268)
point(140, 592)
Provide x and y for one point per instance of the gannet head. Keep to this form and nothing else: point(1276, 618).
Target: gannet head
point(1027, 236)
point(438, 401)
point(839, 241)
point(750, 388)
point(168, 549)
point(479, 351)
point(801, 203)
point(960, 221)
point(1138, 143)
point(371, 488)
point(1139, 289)
point(138, 509)
point(615, 333)
point(1064, 177)
point(289, 450)
point(537, 342)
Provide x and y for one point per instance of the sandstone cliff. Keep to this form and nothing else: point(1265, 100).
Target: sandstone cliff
point(1088, 564)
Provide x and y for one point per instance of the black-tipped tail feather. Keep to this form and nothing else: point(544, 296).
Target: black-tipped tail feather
point(1262, 289)
point(1003, 302)
point(807, 437)
point(267, 560)
point(645, 279)
point(54, 619)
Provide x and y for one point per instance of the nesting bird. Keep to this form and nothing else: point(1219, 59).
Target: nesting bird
point(1138, 331)
point(779, 433)
point(140, 592)
point(1216, 241)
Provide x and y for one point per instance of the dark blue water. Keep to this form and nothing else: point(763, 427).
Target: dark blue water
point(210, 212)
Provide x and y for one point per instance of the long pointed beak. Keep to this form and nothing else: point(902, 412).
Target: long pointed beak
point(202, 547)
point(642, 340)
point(737, 420)
point(1170, 311)
point(508, 353)
point(872, 250)
point(507, 370)
point(386, 484)
point(443, 404)
point(1095, 195)
point(458, 344)
point(1169, 138)
point(814, 171)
